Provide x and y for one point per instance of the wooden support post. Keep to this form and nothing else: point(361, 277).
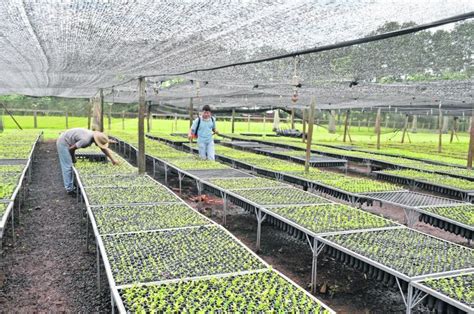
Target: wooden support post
point(405, 129)
point(2, 113)
point(233, 121)
point(141, 125)
point(264, 123)
point(414, 124)
point(101, 95)
point(176, 122)
point(471, 142)
point(454, 129)
point(440, 126)
point(190, 112)
point(377, 126)
point(123, 120)
point(148, 109)
point(89, 112)
point(109, 117)
point(292, 118)
point(310, 134)
point(248, 123)
point(304, 124)
point(35, 119)
point(346, 125)
point(332, 121)
point(67, 120)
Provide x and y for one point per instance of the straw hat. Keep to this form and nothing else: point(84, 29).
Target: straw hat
point(101, 139)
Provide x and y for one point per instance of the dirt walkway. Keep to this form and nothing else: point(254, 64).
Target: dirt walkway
point(49, 269)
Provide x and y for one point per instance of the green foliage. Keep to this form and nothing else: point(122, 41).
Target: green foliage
point(175, 254)
point(463, 214)
point(246, 183)
point(331, 217)
point(130, 195)
point(457, 287)
point(433, 178)
point(280, 196)
point(85, 167)
point(140, 218)
point(262, 292)
point(117, 181)
point(407, 251)
point(348, 184)
point(3, 207)
point(195, 163)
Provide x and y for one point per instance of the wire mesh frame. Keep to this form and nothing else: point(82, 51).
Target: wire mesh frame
point(25, 174)
point(290, 178)
point(355, 159)
point(433, 162)
point(419, 285)
point(320, 237)
point(415, 180)
point(114, 288)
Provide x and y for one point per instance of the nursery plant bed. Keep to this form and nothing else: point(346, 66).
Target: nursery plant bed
point(328, 218)
point(118, 180)
point(405, 252)
point(130, 195)
point(121, 219)
point(456, 219)
point(261, 292)
point(443, 292)
point(279, 196)
point(176, 254)
point(219, 173)
point(246, 183)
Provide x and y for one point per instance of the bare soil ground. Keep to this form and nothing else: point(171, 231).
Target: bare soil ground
point(48, 269)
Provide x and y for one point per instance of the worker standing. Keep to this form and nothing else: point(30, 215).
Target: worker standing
point(203, 128)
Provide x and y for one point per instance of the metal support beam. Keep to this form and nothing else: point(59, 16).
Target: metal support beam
point(141, 126)
point(377, 126)
point(101, 96)
point(440, 126)
point(260, 219)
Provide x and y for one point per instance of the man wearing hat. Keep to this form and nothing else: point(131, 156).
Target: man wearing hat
point(73, 139)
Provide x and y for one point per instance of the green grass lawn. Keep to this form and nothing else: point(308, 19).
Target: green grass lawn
point(422, 143)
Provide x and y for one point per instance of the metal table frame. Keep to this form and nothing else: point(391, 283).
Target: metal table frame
point(19, 194)
point(318, 241)
point(115, 295)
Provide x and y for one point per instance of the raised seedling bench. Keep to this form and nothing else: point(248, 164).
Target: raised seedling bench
point(130, 195)
point(15, 173)
point(258, 292)
point(426, 184)
point(446, 294)
point(457, 219)
point(176, 254)
point(124, 218)
point(398, 256)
